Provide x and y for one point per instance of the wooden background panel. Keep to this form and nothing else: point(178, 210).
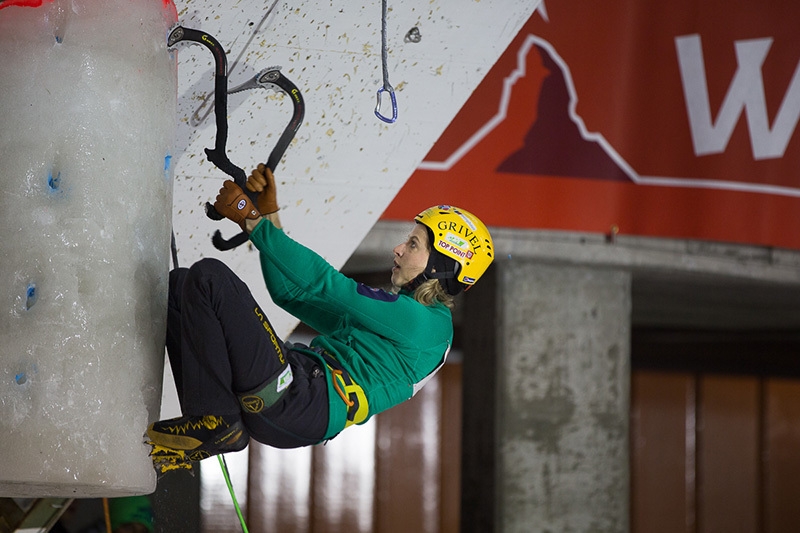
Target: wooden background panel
point(782, 455)
point(408, 464)
point(662, 453)
point(451, 420)
point(728, 455)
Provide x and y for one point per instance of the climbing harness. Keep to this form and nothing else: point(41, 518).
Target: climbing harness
point(267, 78)
point(348, 390)
point(387, 87)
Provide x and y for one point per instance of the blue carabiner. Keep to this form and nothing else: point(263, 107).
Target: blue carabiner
point(394, 106)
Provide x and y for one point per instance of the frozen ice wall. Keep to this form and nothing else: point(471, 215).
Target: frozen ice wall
point(87, 116)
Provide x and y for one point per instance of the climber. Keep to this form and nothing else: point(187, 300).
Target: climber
point(236, 379)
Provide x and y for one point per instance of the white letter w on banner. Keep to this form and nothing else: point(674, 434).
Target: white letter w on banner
point(746, 91)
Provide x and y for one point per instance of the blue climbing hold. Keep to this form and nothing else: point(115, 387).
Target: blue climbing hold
point(54, 182)
point(30, 296)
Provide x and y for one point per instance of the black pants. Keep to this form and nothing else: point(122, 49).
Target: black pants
point(221, 345)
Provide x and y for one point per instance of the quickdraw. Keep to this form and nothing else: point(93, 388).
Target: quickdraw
point(267, 78)
point(387, 87)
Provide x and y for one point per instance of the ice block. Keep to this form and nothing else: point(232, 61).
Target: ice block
point(87, 125)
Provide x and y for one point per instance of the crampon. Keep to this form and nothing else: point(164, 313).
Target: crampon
point(179, 442)
point(166, 459)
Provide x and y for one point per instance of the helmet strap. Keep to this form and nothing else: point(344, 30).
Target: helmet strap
point(439, 267)
point(442, 268)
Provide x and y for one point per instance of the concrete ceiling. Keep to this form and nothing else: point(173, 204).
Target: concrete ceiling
point(662, 300)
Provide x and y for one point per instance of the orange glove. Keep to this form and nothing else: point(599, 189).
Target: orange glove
point(262, 181)
point(233, 204)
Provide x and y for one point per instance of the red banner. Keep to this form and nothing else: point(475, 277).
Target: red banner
point(673, 119)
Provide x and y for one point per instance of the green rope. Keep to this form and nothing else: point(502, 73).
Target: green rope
point(224, 467)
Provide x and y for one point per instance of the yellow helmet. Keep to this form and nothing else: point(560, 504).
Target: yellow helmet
point(461, 236)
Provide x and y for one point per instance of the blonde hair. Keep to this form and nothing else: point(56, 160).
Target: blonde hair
point(431, 292)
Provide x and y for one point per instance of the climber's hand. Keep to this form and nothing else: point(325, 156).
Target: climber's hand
point(262, 181)
point(233, 204)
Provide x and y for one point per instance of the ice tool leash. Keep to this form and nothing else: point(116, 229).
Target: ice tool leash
point(267, 78)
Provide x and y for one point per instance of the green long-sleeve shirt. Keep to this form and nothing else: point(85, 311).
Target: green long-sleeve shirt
point(389, 343)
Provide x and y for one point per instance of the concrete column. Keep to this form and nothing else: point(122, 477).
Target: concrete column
point(562, 399)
